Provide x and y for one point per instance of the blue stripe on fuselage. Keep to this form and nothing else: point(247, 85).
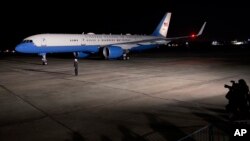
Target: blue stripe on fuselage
point(31, 48)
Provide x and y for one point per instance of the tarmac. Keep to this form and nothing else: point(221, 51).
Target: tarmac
point(163, 96)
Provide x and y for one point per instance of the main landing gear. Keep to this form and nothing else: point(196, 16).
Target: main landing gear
point(44, 60)
point(125, 55)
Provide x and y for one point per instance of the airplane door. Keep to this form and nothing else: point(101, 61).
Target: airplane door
point(43, 42)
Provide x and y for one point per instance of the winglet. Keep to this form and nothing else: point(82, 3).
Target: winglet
point(202, 28)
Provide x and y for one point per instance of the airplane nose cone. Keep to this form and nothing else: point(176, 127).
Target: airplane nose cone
point(26, 48)
point(20, 48)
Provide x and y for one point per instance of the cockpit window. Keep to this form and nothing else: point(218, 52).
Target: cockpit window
point(27, 41)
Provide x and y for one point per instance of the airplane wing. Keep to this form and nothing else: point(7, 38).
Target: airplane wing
point(146, 41)
point(159, 40)
point(184, 37)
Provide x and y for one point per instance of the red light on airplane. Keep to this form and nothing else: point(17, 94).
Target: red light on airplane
point(192, 35)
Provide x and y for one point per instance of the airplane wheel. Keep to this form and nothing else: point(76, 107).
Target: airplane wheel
point(125, 57)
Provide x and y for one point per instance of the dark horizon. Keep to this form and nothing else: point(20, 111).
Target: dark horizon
point(225, 21)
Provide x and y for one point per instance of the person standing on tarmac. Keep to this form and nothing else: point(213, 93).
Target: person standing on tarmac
point(238, 103)
point(231, 95)
point(243, 91)
point(76, 66)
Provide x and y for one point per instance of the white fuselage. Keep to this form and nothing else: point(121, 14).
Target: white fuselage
point(111, 46)
point(53, 40)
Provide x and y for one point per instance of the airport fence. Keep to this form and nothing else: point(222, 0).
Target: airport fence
point(207, 133)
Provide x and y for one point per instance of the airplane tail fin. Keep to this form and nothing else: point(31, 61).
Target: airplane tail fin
point(162, 28)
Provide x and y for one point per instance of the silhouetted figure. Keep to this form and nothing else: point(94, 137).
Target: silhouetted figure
point(237, 99)
point(76, 66)
point(248, 102)
point(231, 95)
point(243, 91)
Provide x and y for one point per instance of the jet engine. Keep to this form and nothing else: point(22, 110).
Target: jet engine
point(112, 52)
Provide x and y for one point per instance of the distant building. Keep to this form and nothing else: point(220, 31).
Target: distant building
point(236, 42)
point(216, 43)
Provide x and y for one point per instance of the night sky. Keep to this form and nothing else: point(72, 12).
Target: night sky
point(225, 20)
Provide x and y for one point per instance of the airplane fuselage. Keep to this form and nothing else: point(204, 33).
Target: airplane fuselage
point(89, 43)
point(110, 46)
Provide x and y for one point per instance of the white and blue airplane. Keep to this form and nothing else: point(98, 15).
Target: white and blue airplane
point(110, 46)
